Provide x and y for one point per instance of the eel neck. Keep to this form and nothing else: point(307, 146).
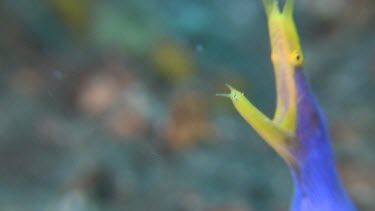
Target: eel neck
point(317, 184)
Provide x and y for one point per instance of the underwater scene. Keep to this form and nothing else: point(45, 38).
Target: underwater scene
point(123, 105)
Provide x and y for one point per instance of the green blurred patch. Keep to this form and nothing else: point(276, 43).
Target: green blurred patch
point(174, 62)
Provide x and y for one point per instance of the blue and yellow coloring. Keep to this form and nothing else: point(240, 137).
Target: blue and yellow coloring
point(298, 131)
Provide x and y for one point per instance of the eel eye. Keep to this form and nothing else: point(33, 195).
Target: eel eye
point(296, 58)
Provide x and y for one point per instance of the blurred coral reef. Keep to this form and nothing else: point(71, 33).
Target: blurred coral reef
point(110, 105)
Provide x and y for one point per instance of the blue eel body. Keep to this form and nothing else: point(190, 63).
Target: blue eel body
point(317, 184)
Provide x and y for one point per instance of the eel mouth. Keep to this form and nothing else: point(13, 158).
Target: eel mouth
point(232, 94)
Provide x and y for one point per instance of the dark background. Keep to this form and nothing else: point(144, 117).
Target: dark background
point(110, 105)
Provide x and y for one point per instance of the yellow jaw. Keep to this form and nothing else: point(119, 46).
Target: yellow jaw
point(276, 136)
point(287, 57)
